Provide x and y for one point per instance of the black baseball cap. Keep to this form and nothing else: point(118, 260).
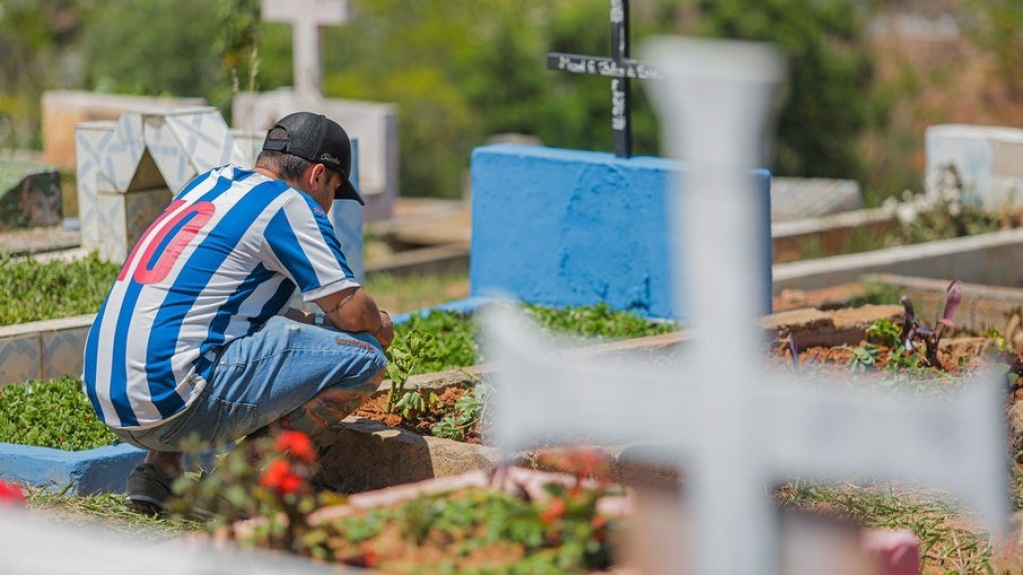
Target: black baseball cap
point(319, 139)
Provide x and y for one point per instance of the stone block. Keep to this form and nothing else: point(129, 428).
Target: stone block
point(64, 110)
point(569, 228)
point(29, 195)
point(987, 159)
point(365, 454)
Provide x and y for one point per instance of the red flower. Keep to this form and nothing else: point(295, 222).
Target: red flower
point(298, 444)
point(11, 493)
point(370, 558)
point(279, 476)
point(555, 509)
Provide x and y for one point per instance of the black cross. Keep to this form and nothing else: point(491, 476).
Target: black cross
point(619, 67)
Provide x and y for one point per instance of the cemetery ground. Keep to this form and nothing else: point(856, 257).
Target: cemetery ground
point(863, 351)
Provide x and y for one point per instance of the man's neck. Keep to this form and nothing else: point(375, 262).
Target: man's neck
point(272, 174)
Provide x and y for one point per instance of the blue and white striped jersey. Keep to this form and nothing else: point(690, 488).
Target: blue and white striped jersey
point(223, 258)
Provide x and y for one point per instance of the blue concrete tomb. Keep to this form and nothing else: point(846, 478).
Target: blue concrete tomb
point(569, 228)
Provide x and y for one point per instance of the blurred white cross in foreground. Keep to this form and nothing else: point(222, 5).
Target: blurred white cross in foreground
point(734, 427)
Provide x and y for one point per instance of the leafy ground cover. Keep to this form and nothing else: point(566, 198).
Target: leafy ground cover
point(55, 289)
point(54, 414)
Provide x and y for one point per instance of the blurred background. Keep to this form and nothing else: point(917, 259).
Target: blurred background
point(866, 77)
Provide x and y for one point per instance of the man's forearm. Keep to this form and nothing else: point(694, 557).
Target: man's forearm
point(352, 311)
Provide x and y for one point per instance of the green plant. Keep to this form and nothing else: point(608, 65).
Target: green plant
point(914, 334)
point(404, 358)
point(466, 414)
point(864, 357)
point(54, 414)
point(452, 341)
point(884, 332)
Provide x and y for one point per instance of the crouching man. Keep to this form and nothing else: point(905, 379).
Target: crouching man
point(196, 336)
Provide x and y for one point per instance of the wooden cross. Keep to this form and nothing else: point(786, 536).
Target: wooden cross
point(619, 67)
point(306, 17)
point(732, 424)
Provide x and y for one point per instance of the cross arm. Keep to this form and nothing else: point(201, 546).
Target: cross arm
point(831, 433)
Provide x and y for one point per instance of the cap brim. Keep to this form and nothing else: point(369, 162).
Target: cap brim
point(348, 192)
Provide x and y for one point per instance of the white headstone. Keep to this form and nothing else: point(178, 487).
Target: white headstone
point(733, 425)
point(988, 161)
point(306, 17)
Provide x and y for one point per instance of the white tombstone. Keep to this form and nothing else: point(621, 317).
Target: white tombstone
point(128, 172)
point(306, 17)
point(374, 124)
point(733, 425)
point(987, 159)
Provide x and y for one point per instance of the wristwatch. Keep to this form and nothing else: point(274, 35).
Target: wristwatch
point(318, 319)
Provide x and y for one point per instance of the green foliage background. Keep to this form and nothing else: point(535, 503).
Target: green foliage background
point(461, 72)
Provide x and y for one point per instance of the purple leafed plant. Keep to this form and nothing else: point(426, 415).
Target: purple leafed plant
point(914, 333)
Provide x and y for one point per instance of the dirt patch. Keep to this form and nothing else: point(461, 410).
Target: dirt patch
point(423, 422)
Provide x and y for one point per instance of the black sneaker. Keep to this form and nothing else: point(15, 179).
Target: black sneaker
point(149, 489)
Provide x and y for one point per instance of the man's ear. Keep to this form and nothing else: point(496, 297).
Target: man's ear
point(314, 174)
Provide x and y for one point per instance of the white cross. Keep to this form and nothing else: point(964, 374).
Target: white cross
point(734, 426)
point(306, 17)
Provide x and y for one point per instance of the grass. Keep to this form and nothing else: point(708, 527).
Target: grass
point(107, 511)
point(947, 544)
point(413, 293)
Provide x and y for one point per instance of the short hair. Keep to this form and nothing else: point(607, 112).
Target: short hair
point(288, 166)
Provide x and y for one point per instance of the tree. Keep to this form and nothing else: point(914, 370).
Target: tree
point(830, 72)
point(162, 47)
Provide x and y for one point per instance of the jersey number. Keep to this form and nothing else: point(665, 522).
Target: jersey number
point(168, 243)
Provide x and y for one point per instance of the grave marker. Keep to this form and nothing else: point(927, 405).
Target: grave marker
point(373, 124)
point(306, 17)
point(733, 425)
point(619, 67)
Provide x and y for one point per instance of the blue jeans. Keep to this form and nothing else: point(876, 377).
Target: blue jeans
point(261, 378)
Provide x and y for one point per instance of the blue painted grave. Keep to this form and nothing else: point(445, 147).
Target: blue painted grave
point(100, 470)
point(568, 228)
